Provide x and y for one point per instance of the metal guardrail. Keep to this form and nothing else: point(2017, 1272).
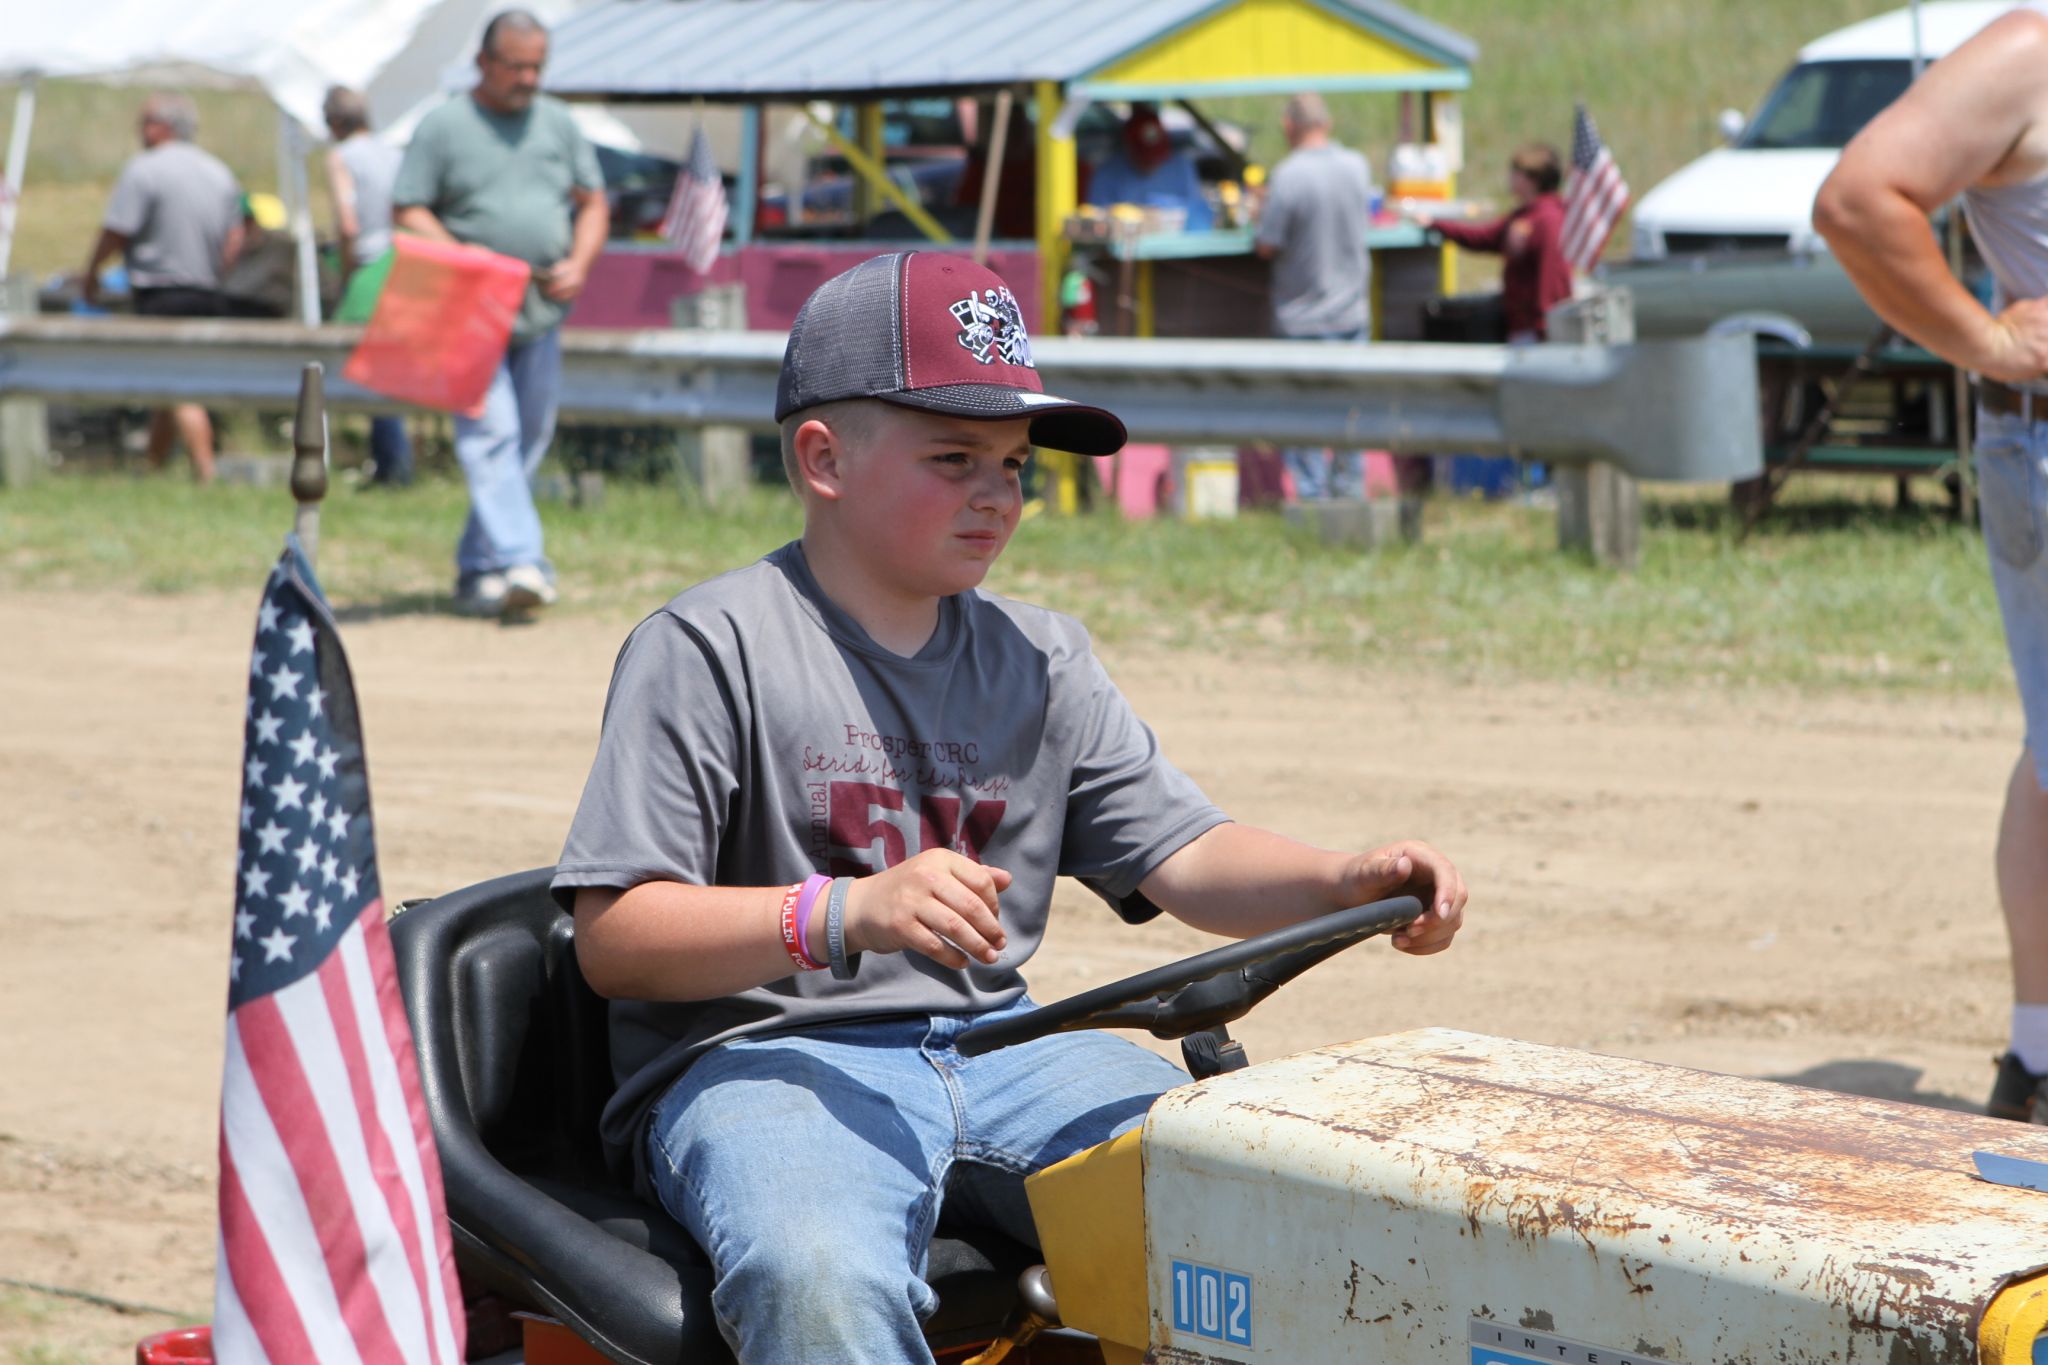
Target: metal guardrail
point(1680, 410)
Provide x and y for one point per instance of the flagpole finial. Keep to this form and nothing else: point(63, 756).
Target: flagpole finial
point(309, 455)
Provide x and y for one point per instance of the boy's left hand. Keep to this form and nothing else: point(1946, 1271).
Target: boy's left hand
point(1412, 868)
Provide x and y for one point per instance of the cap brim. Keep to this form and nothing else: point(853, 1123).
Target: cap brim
point(1059, 423)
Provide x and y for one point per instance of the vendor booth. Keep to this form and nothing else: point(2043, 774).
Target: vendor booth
point(1033, 82)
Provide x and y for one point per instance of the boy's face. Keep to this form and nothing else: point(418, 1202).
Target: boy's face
point(930, 500)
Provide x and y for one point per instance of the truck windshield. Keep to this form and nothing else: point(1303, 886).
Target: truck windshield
point(1824, 104)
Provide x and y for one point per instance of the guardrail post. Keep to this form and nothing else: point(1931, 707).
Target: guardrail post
point(1598, 507)
point(24, 422)
point(716, 461)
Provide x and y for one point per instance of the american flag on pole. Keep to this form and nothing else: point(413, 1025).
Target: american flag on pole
point(1596, 198)
point(695, 220)
point(334, 1241)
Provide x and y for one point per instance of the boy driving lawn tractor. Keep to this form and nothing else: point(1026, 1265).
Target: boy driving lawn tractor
point(819, 841)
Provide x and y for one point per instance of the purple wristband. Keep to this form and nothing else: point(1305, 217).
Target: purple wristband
point(806, 899)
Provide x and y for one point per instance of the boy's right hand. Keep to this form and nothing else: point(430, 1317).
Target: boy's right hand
point(928, 904)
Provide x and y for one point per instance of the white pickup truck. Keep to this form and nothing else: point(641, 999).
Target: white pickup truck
point(1728, 242)
point(1756, 194)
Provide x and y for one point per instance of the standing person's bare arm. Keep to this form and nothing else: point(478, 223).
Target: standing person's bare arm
point(564, 279)
point(108, 245)
point(341, 188)
point(663, 940)
point(1240, 880)
point(1976, 115)
point(419, 220)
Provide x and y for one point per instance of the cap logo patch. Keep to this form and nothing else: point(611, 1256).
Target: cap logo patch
point(992, 327)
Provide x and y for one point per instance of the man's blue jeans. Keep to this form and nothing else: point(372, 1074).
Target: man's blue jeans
point(498, 452)
point(1319, 473)
point(2012, 482)
point(390, 452)
point(811, 1167)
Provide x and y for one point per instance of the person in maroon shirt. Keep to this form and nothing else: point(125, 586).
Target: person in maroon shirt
point(1536, 274)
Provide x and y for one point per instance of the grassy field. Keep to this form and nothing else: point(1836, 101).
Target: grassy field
point(1839, 589)
point(1655, 74)
point(1836, 589)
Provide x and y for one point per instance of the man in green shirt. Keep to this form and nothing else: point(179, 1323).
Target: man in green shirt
point(505, 167)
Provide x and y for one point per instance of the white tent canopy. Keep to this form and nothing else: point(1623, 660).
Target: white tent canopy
point(399, 53)
point(394, 51)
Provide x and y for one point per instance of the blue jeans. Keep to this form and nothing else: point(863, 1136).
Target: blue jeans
point(811, 1167)
point(2012, 486)
point(499, 451)
point(390, 451)
point(1320, 473)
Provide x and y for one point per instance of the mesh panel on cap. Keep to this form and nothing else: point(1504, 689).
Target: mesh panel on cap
point(847, 341)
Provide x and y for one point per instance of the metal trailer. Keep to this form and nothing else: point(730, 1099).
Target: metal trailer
point(1839, 392)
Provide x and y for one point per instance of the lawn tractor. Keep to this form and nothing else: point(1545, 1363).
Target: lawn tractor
point(1416, 1199)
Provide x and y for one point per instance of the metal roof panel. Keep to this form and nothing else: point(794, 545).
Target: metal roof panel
point(800, 49)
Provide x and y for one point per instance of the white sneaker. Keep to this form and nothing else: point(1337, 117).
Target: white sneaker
point(527, 588)
point(483, 595)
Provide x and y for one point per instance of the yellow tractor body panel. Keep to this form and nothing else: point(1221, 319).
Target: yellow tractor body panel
point(1090, 1211)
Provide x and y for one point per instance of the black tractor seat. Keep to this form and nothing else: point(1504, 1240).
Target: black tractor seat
point(515, 1066)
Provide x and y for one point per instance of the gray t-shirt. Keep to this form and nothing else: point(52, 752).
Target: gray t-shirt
point(1318, 206)
point(176, 205)
point(503, 181)
point(755, 734)
point(373, 166)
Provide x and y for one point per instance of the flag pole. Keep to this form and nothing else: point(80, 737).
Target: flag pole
point(991, 175)
point(309, 458)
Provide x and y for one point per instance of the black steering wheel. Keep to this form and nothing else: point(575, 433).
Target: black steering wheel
point(1200, 992)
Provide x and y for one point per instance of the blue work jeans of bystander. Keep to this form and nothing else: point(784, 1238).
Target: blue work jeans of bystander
point(499, 451)
point(1319, 473)
point(390, 452)
point(2012, 479)
point(811, 1167)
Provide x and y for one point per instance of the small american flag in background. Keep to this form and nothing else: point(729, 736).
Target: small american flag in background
point(334, 1242)
point(1596, 198)
point(695, 220)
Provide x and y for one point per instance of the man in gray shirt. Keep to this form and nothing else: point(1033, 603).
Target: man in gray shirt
point(505, 167)
point(176, 215)
point(1312, 228)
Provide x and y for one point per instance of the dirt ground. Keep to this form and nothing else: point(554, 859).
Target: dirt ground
point(1759, 882)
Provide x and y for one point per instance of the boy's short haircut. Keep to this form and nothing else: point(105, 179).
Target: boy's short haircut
point(851, 419)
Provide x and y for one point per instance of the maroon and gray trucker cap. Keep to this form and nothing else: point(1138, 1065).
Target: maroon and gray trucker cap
point(925, 330)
